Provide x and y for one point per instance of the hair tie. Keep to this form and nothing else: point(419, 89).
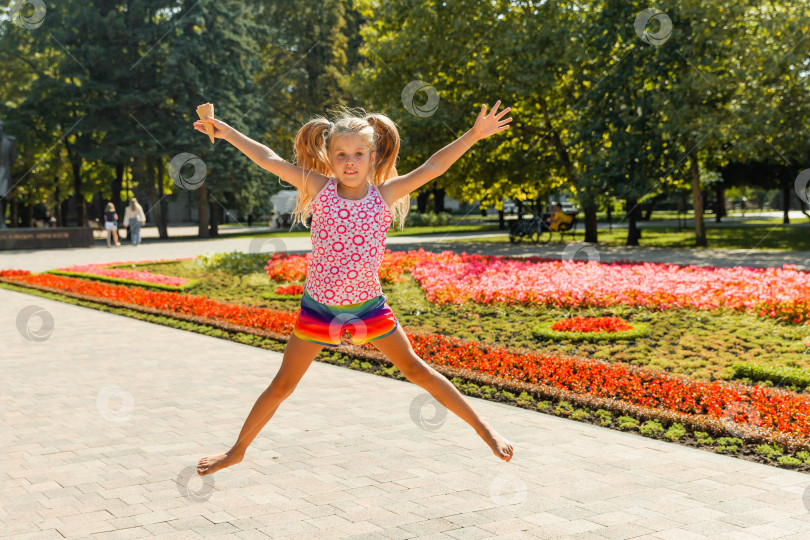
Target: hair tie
point(330, 126)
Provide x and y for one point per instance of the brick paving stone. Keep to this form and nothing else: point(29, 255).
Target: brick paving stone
point(124, 534)
point(48, 534)
point(469, 533)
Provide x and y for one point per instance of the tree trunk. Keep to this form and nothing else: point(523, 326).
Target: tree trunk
point(421, 201)
point(438, 199)
point(117, 185)
point(161, 208)
point(719, 203)
point(651, 206)
point(610, 215)
point(202, 210)
point(65, 208)
point(633, 213)
point(13, 214)
point(501, 221)
point(591, 227)
point(57, 211)
point(76, 165)
point(213, 212)
point(151, 182)
point(29, 215)
point(697, 196)
point(786, 190)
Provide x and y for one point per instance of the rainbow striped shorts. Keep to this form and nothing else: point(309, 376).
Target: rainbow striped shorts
point(365, 322)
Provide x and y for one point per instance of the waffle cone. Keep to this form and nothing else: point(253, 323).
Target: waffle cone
point(207, 109)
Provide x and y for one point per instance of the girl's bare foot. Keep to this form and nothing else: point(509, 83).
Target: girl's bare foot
point(501, 447)
point(212, 464)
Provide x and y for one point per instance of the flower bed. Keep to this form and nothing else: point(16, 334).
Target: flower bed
point(768, 415)
point(591, 328)
point(115, 273)
point(449, 278)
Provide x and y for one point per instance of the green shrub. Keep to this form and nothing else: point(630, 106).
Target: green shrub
point(771, 375)
point(804, 456)
point(543, 406)
point(525, 397)
point(651, 427)
point(429, 219)
point(234, 262)
point(703, 438)
point(627, 423)
point(727, 445)
point(580, 414)
point(508, 395)
point(789, 461)
point(766, 450)
point(675, 432)
point(605, 418)
point(563, 408)
point(543, 331)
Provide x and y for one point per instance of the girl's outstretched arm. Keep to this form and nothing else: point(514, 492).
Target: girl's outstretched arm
point(485, 125)
point(260, 154)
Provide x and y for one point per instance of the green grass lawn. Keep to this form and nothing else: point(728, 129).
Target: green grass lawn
point(751, 236)
point(701, 344)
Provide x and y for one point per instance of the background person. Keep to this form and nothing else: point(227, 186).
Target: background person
point(558, 217)
point(111, 223)
point(133, 219)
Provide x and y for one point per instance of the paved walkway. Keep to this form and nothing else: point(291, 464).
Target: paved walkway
point(104, 421)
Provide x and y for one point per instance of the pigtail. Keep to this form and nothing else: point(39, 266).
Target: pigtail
point(386, 139)
point(311, 154)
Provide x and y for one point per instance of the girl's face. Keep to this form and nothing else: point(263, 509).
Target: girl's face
point(351, 160)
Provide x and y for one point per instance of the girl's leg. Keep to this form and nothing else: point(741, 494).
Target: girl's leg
point(109, 234)
point(398, 349)
point(298, 356)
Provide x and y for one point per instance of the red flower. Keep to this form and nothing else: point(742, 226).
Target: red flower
point(591, 324)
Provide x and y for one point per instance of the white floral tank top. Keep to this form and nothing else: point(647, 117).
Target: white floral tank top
point(348, 243)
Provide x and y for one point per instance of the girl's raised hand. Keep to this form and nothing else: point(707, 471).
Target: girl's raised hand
point(221, 129)
point(486, 125)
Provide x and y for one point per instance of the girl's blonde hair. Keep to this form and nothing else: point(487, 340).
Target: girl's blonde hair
point(110, 207)
point(133, 203)
point(313, 141)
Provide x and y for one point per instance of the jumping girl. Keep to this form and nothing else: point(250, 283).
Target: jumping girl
point(347, 179)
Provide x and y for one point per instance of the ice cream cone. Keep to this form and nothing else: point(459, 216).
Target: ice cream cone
point(207, 109)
